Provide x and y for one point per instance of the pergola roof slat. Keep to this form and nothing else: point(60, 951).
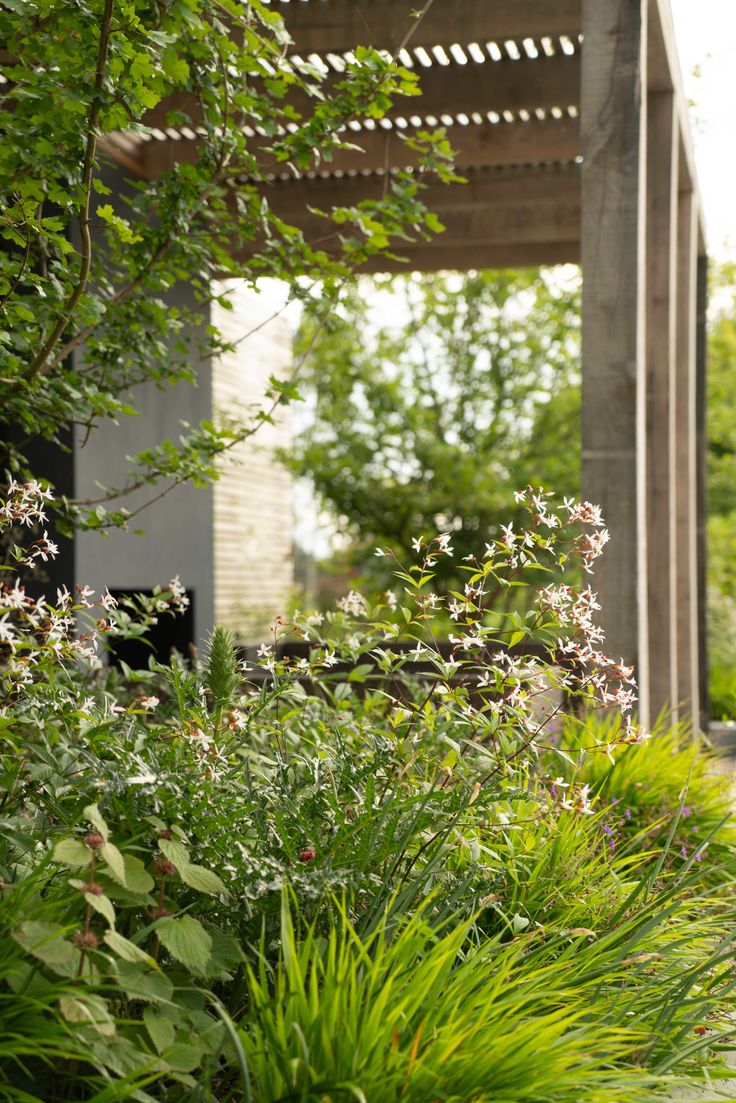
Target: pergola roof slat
point(334, 26)
point(499, 86)
point(475, 145)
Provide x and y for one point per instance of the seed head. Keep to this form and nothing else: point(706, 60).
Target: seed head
point(94, 841)
point(160, 913)
point(94, 888)
point(87, 940)
point(167, 833)
point(164, 867)
point(308, 854)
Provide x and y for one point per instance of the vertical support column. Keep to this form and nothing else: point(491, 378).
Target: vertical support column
point(688, 688)
point(661, 236)
point(613, 132)
point(701, 437)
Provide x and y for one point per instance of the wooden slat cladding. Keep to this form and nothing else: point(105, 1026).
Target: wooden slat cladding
point(253, 530)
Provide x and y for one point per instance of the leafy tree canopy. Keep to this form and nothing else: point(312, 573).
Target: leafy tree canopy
point(89, 269)
point(433, 397)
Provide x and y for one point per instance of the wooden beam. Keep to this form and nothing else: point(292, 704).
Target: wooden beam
point(484, 189)
point(339, 25)
point(475, 145)
point(445, 90)
point(664, 75)
point(688, 688)
point(441, 257)
point(436, 256)
point(524, 224)
point(613, 133)
point(662, 163)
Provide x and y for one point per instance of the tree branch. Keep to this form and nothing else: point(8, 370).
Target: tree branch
point(93, 117)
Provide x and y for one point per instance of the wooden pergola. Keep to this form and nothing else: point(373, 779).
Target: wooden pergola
point(570, 126)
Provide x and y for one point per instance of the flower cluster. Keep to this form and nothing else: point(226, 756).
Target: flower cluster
point(502, 679)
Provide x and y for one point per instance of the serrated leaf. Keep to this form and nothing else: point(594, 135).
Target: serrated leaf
point(137, 878)
point(139, 983)
point(127, 950)
point(201, 879)
point(160, 1029)
point(110, 854)
point(72, 852)
point(92, 813)
point(103, 905)
point(175, 852)
point(186, 940)
point(45, 941)
point(90, 1010)
point(182, 1057)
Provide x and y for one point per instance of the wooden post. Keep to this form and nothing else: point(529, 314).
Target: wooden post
point(688, 689)
point(701, 481)
point(662, 167)
point(613, 135)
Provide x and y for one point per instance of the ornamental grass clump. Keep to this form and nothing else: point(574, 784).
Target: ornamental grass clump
point(368, 865)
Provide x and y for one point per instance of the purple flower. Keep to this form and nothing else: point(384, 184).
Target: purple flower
point(627, 813)
point(698, 857)
point(608, 830)
point(686, 811)
point(683, 851)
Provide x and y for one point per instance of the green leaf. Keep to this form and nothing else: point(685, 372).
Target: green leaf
point(182, 1057)
point(103, 905)
point(186, 940)
point(140, 983)
point(127, 950)
point(90, 1010)
point(201, 879)
point(72, 852)
point(45, 941)
point(92, 813)
point(137, 877)
point(358, 673)
point(175, 852)
point(160, 1029)
point(110, 853)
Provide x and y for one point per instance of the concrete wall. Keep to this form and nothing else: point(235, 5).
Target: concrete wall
point(231, 544)
point(177, 529)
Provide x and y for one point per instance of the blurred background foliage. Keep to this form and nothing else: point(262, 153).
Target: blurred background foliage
point(431, 398)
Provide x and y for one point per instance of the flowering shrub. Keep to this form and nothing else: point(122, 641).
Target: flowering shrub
point(153, 822)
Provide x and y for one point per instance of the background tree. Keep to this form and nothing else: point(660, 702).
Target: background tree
point(432, 398)
point(721, 551)
point(84, 268)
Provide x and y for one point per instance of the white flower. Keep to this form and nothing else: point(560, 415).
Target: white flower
point(108, 601)
point(149, 702)
point(380, 553)
point(7, 632)
point(443, 543)
point(416, 543)
point(265, 651)
point(353, 603)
